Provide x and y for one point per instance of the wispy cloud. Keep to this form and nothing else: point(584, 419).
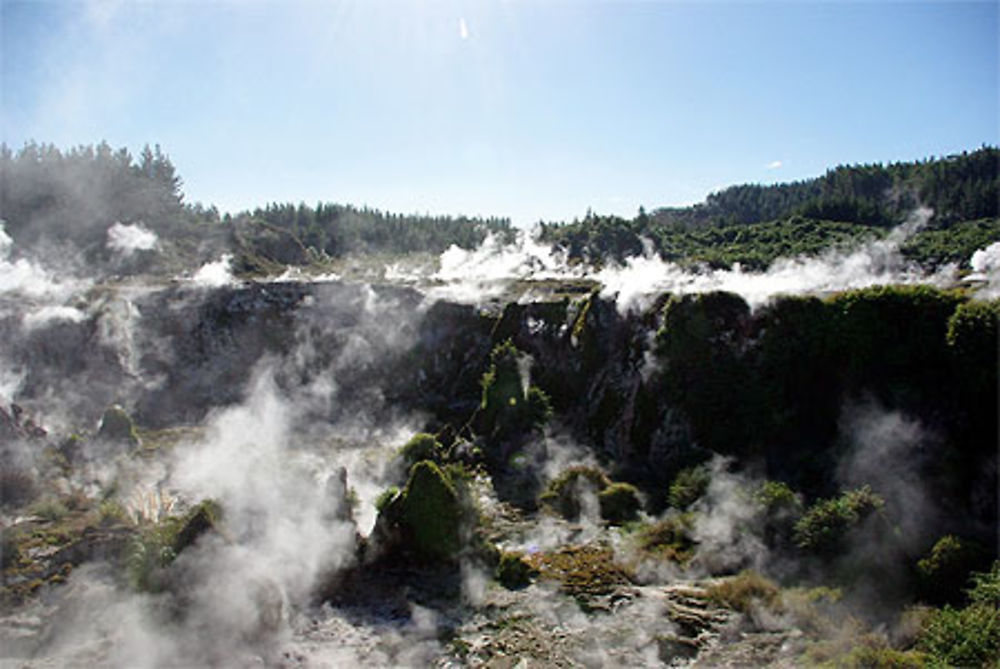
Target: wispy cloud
point(774, 165)
point(463, 28)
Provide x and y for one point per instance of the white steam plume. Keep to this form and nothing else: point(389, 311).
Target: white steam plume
point(985, 264)
point(215, 274)
point(29, 279)
point(874, 263)
point(127, 239)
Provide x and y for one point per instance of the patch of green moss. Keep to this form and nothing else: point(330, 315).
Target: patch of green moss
point(583, 572)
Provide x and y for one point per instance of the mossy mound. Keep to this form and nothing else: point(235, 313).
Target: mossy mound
point(117, 427)
point(619, 503)
point(424, 518)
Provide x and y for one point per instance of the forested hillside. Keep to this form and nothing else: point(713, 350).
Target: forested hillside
point(755, 224)
point(54, 197)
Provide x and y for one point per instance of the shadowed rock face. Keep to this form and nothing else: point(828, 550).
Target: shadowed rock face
point(168, 355)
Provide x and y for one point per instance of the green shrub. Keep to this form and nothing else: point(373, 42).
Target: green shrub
point(111, 512)
point(563, 494)
point(688, 487)
point(945, 570)
point(149, 553)
point(539, 407)
point(780, 508)
point(514, 571)
point(881, 656)
point(826, 523)
point(986, 587)
point(619, 503)
point(156, 546)
point(422, 446)
point(968, 637)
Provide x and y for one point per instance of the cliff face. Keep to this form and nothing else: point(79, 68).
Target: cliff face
point(170, 355)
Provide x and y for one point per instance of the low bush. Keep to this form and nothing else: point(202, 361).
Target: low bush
point(688, 487)
point(946, 569)
point(619, 503)
point(17, 486)
point(970, 636)
point(514, 571)
point(744, 591)
point(780, 508)
point(823, 528)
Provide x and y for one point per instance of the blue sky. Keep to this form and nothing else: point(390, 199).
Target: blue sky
point(532, 110)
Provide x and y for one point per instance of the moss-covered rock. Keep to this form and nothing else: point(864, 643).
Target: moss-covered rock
point(431, 511)
point(424, 519)
point(510, 406)
point(117, 427)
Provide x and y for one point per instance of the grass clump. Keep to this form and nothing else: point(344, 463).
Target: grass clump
point(49, 509)
point(744, 591)
point(17, 486)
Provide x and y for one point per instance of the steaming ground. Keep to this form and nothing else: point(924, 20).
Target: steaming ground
point(298, 458)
